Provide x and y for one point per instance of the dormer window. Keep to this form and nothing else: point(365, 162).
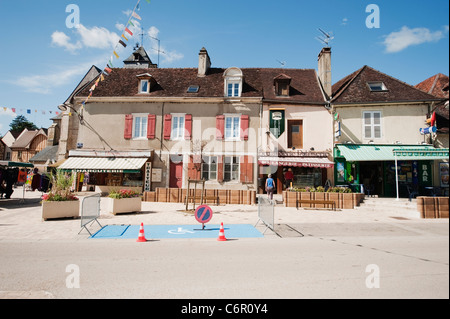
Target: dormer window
point(282, 85)
point(377, 86)
point(234, 79)
point(144, 86)
point(145, 83)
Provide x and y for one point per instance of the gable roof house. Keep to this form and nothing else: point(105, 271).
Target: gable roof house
point(181, 124)
point(376, 118)
point(28, 144)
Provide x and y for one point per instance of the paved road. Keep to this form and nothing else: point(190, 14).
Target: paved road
point(410, 266)
point(319, 255)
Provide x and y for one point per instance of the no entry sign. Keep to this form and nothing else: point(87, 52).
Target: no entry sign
point(203, 214)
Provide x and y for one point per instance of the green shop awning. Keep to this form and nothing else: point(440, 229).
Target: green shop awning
point(368, 153)
point(16, 164)
point(103, 165)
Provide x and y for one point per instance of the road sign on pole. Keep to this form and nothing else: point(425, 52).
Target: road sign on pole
point(203, 215)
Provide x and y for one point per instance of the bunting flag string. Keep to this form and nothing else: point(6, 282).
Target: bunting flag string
point(109, 66)
point(21, 111)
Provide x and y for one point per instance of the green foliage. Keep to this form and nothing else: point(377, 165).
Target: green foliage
point(61, 184)
point(20, 123)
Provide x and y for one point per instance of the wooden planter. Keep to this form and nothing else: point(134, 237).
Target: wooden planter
point(343, 200)
point(54, 210)
point(124, 205)
point(433, 207)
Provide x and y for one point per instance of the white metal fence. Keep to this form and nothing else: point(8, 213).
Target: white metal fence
point(266, 212)
point(90, 211)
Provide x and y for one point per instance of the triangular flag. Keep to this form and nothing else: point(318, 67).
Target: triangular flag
point(128, 30)
point(108, 70)
point(124, 37)
point(115, 53)
point(102, 78)
point(135, 15)
point(14, 110)
point(148, 1)
point(131, 23)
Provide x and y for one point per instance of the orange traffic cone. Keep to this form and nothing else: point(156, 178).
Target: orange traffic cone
point(221, 234)
point(141, 238)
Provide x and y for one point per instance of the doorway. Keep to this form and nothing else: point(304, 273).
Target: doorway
point(176, 172)
point(372, 177)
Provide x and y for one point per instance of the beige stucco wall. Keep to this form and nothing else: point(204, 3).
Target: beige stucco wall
point(108, 121)
point(400, 122)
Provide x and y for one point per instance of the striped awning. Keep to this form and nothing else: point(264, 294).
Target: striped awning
point(315, 162)
point(103, 164)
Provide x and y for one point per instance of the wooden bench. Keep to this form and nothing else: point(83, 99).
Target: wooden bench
point(311, 201)
point(198, 199)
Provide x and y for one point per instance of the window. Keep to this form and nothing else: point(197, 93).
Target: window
point(231, 169)
point(144, 86)
point(140, 126)
point(232, 127)
point(372, 124)
point(377, 86)
point(193, 89)
point(295, 134)
point(209, 168)
point(234, 79)
point(177, 127)
point(233, 89)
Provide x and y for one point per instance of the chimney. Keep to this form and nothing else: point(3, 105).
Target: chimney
point(204, 63)
point(325, 70)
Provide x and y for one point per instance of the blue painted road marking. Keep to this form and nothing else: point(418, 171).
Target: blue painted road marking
point(176, 232)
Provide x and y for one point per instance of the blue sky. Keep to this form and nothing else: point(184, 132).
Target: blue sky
point(42, 60)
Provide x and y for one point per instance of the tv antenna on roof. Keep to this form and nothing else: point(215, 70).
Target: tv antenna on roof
point(283, 63)
point(326, 38)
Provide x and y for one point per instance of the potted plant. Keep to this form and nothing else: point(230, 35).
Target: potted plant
point(60, 202)
point(124, 201)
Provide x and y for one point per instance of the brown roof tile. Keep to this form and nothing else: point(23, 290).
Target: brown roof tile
point(436, 85)
point(354, 89)
point(123, 82)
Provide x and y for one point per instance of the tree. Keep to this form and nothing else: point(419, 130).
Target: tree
point(20, 123)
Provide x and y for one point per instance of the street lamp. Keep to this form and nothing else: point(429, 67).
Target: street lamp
point(65, 107)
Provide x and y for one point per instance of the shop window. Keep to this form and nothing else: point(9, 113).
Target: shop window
point(295, 134)
point(209, 168)
point(231, 169)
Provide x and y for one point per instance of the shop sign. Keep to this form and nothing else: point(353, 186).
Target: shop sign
point(148, 177)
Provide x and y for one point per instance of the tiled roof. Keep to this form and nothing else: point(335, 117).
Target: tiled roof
point(25, 139)
point(354, 89)
point(436, 85)
point(123, 82)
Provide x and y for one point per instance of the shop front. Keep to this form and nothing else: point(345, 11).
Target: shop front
point(387, 170)
point(103, 171)
point(307, 169)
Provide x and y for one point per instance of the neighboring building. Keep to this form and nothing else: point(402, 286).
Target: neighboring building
point(145, 124)
point(28, 144)
point(296, 126)
point(376, 114)
point(49, 155)
point(9, 139)
point(437, 85)
point(2, 150)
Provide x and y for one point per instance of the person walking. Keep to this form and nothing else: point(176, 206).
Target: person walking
point(270, 186)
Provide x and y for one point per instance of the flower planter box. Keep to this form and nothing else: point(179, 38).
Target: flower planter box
point(347, 201)
point(55, 210)
point(124, 205)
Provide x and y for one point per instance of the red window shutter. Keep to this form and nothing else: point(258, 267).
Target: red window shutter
point(194, 167)
point(151, 126)
point(188, 127)
point(246, 174)
point(245, 119)
point(128, 127)
point(220, 127)
point(167, 126)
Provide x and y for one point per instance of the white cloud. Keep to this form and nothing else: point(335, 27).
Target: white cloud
point(44, 84)
point(400, 40)
point(60, 39)
point(95, 37)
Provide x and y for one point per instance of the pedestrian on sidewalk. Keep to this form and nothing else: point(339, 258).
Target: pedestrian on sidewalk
point(270, 186)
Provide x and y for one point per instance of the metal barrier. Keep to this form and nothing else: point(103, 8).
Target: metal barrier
point(90, 211)
point(266, 212)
